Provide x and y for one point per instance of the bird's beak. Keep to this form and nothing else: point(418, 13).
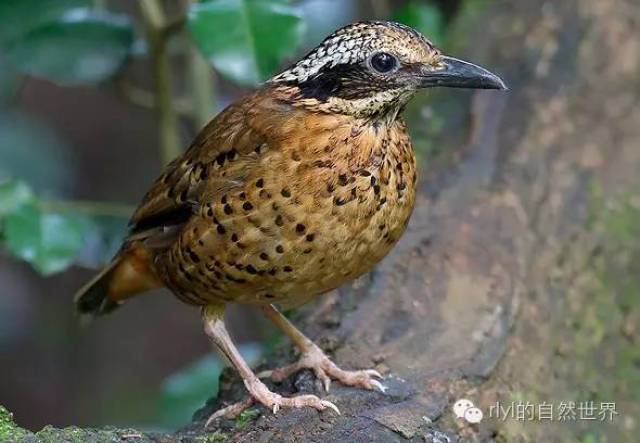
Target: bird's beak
point(456, 73)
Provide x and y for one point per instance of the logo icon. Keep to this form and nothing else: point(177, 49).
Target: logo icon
point(465, 408)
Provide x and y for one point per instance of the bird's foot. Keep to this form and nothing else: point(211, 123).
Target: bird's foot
point(259, 393)
point(326, 370)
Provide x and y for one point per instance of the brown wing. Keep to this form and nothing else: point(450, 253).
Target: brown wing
point(203, 172)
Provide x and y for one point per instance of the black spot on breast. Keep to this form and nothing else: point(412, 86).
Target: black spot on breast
point(247, 206)
point(322, 163)
point(251, 270)
point(338, 201)
point(221, 230)
point(193, 256)
point(260, 183)
point(285, 193)
point(300, 228)
point(228, 210)
point(287, 269)
point(279, 249)
point(279, 220)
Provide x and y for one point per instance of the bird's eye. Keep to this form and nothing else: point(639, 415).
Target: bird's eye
point(383, 62)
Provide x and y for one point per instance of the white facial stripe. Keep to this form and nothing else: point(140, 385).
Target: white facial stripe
point(349, 45)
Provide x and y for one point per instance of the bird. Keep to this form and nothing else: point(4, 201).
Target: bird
point(285, 195)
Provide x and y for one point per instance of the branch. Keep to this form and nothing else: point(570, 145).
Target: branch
point(146, 99)
point(155, 25)
point(87, 207)
point(202, 88)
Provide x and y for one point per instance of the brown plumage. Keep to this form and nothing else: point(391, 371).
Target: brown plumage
point(288, 193)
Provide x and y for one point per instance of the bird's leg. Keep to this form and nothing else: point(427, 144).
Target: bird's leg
point(213, 318)
point(315, 359)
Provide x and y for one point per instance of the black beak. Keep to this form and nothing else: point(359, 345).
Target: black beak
point(460, 74)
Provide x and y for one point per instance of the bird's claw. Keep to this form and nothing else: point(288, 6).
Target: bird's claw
point(330, 405)
point(261, 394)
point(325, 370)
point(231, 411)
point(373, 373)
point(379, 386)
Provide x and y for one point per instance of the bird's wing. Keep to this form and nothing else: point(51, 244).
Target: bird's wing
point(220, 158)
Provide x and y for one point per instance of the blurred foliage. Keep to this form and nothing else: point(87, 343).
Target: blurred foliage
point(425, 17)
point(31, 150)
point(49, 239)
point(248, 51)
point(68, 43)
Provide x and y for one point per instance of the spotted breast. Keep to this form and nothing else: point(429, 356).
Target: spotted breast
point(290, 207)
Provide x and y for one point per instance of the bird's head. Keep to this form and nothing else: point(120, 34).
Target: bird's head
point(372, 69)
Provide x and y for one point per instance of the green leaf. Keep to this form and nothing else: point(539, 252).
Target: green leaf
point(13, 195)
point(246, 40)
point(47, 241)
point(79, 46)
point(21, 16)
point(31, 151)
point(424, 17)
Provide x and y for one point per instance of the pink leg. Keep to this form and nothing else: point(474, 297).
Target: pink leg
point(313, 358)
point(213, 318)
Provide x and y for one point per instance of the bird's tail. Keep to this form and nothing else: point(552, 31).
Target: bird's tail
point(127, 275)
point(93, 298)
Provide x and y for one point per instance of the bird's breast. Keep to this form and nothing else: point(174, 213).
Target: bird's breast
point(321, 209)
